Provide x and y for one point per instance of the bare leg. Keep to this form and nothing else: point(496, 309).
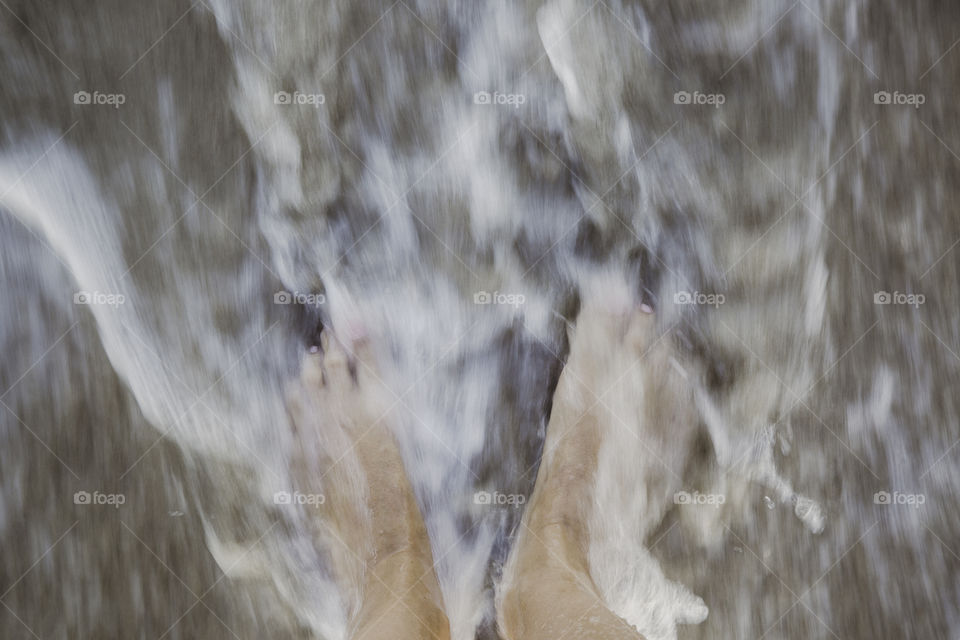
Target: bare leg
point(547, 592)
point(387, 548)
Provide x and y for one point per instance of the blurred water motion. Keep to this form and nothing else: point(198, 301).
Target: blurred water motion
point(191, 192)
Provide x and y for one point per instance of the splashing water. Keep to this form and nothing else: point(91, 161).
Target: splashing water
point(453, 178)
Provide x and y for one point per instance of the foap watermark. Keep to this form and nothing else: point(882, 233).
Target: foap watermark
point(896, 498)
point(299, 98)
point(510, 299)
point(699, 98)
point(99, 98)
point(910, 99)
point(697, 297)
point(697, 498)
point(297, 297)
point(98, 498)
point(499, 499)
point(912, 299)
point(501, 99)
point(297, 498)
point(99, 298)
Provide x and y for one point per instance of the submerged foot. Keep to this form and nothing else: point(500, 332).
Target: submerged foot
point(548, 592)
point(377, 524)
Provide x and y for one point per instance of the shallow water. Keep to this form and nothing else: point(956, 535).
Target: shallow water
point(222, 179)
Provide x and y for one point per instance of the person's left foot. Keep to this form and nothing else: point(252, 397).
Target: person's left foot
point(347, 407)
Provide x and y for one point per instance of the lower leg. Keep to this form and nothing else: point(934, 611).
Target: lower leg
point(340, 411)
point(547, 591)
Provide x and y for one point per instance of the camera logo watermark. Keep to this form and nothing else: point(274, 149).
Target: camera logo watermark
point(499, 499)
point(99, 298)
point(97, 498)
point(896, 498)
point(306, 499)
point(912, 299)
point(696, 297)
point(911, 99)
point(296, 297)
point(99, 98)
point(299, 98)
point(699, 98)
point(502, 99)
point(697, 498)
point(511, 299)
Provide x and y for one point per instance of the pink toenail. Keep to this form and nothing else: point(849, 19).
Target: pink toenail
point(646, 308)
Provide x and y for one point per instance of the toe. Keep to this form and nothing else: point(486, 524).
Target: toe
point(311, 370)
point(641, 330)
point(365, 361)
point(335, 363)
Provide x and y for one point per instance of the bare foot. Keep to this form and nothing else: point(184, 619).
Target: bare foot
point(340, 410)
point(547, 591)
